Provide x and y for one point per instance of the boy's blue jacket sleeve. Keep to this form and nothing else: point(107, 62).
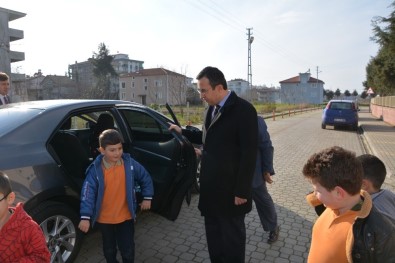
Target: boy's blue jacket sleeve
point(89, 193)
point(143, 178)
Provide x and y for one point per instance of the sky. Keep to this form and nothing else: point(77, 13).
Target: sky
point(332, 39)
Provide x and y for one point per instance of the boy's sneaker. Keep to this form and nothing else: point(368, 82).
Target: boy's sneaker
point(273, 235)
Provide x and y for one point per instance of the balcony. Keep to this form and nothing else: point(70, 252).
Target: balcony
point(16, 56)
point(15, 34)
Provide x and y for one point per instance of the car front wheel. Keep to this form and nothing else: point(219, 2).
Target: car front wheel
point(59, 224)
point(323, 126)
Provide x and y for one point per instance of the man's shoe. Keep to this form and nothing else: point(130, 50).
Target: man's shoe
point(273, 235)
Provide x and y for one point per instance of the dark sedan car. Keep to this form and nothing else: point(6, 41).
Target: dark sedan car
point(45, 147)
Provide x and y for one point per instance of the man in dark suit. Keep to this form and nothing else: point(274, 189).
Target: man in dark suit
point(229, 138)
point(263, 174)
point(4, 87)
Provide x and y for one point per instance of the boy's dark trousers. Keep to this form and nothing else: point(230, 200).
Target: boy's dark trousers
point(118, 235)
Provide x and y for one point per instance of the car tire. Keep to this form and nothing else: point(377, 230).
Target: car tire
point(355, 127)
point(323, 126)
point(60, 226)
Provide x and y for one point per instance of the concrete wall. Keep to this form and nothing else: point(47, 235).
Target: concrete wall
point(387, 114)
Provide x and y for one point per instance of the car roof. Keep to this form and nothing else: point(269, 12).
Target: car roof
point(347, 101)
point(49, 114)
point(70, 103)
point(29, 137)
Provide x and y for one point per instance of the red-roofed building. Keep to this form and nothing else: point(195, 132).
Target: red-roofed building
point(154, 86)
point(302, 89)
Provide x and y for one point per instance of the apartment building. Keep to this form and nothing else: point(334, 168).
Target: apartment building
point(154, 86)
point(82, 73)
point(8, 56)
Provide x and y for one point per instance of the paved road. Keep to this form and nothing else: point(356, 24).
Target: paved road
point(295, 139)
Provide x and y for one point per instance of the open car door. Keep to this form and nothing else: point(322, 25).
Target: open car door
point(168, 157)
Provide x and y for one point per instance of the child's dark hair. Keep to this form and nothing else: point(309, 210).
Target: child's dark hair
point(109, 137)
point(333, 167)
point(5, 185)
point(373, 169)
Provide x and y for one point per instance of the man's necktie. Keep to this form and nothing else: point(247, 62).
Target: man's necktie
point(6, 99)
point(217, 107)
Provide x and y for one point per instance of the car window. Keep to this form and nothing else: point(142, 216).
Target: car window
point(341, 106)
point(145, 127)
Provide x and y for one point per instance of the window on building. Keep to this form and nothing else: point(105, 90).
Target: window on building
point(145, 80)
point(145, 87)
point(123, 84)
point(158, 83)
point(132, 84)
point(123, 95)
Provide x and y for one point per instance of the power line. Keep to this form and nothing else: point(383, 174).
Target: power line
point(229, 19)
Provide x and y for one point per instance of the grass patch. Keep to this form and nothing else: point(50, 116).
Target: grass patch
point(195, 114)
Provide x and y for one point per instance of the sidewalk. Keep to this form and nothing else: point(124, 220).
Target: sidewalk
point(380, 139)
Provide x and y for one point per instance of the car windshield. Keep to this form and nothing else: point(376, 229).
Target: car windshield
point(341, 106)
point(11, 118)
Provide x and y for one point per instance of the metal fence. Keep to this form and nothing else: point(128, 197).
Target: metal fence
point(384, 101)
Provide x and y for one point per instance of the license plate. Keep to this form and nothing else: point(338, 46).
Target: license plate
point(340, 120)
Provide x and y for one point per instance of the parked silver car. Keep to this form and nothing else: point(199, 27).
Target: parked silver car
point(45, 147)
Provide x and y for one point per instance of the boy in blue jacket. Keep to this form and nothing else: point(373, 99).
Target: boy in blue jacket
point(108, 197)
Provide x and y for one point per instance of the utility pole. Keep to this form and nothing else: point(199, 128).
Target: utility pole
point(317, 73)
point(249, 75)
point(317, 83)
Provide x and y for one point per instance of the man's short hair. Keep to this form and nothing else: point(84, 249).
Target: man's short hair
point(333, 167)
point(3, 76)
point(373, 170)
point(109, 137)
point(214, 76)
point(5, 185)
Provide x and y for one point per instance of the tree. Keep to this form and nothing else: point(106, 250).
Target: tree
point(355, 93)
point(347, 93)
point(338, 93)
point(364, 94)
point(107, 86)
point(380, 71)
point(193, 96)
point(329, 94)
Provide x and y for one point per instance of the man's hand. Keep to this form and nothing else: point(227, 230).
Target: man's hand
point(240, 201)
point(268, 178)
point(198, 152)
point(175, 128)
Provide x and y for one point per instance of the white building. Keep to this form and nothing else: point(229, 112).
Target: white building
point(239, 86)
point(302, 89)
